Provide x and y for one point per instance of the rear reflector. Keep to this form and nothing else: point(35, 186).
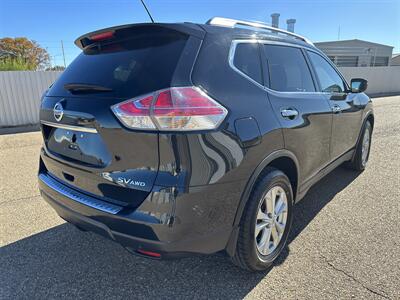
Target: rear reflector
point(173, 109)
point(148, 253)
point(102, 36)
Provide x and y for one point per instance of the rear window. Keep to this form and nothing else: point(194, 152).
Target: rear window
point(129, 68)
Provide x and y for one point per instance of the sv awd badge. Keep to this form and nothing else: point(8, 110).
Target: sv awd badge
point(123, 181)
point(131, 182)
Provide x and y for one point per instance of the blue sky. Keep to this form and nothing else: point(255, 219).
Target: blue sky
point(50, 21)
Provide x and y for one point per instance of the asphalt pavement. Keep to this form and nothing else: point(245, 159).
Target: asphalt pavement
point(345, 240)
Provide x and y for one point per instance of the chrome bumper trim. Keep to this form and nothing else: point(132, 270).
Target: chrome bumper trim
point(69, 127)
point(79, 197)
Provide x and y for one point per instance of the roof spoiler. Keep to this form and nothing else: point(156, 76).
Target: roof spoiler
point(125, 31)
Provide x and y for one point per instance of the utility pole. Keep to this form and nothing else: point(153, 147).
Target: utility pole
point(62, 48)
point(338, 34)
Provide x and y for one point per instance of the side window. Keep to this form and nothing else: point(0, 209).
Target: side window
point(247, 60)
point(288, 69)
point(328, 78)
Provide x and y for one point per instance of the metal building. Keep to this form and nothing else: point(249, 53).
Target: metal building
point(357, 53)
point(395, 61)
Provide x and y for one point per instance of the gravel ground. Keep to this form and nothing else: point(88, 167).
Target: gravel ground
point(344, 241)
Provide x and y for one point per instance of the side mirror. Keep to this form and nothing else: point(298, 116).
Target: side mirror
point(358, 85)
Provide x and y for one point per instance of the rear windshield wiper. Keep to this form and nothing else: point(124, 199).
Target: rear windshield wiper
point(86, 88)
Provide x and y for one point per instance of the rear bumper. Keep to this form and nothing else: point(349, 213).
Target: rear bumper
point(179, 225)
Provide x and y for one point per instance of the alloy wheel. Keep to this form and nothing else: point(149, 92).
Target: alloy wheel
point(365, 147)
point(271, 220)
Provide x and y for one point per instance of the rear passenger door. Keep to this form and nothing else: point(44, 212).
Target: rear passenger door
point(305, 115)
point(347, 111)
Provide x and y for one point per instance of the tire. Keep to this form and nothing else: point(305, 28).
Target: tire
point(250, 253)
point(360, 159)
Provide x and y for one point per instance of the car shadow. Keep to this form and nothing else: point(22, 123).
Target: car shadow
point(315, 200)
point(64, 262)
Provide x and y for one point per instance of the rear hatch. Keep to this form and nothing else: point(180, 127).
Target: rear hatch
point(85, 145)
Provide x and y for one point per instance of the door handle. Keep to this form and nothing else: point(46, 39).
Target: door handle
point(289, 113)
point(336, 109)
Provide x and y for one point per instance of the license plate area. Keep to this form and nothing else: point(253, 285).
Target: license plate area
point(77, 146)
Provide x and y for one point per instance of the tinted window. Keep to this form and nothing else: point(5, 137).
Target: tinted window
point(288, 69)
point(247, 60)
point(129, 67)
point(328, 78)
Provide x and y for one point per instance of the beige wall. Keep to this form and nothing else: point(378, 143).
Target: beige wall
point(381, 80)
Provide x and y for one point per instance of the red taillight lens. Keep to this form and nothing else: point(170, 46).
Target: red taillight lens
point(102, 36)
point(139, 107)
point(149, 253)
point(135, 113)
point(174, 109)
point(185, 102)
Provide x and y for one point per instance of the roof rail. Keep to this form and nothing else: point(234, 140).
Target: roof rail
point(219, 21)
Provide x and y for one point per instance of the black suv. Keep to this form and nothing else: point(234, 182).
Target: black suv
point(177, 139)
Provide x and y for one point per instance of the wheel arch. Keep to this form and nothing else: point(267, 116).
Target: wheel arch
point(283, 160)
point(369, 116)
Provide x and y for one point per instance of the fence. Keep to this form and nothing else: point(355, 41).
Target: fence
point(381, 80)
point(20, 93)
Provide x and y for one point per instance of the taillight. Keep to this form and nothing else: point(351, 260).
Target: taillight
point(173, 109)
point(102, 36)
point(149, 253)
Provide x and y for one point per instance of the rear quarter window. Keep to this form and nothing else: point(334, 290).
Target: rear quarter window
point(130, 68)
point(247, 60)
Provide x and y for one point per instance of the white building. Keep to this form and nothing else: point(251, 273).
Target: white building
point(357, 53)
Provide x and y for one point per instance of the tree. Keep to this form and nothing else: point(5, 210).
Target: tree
point(23, 52)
